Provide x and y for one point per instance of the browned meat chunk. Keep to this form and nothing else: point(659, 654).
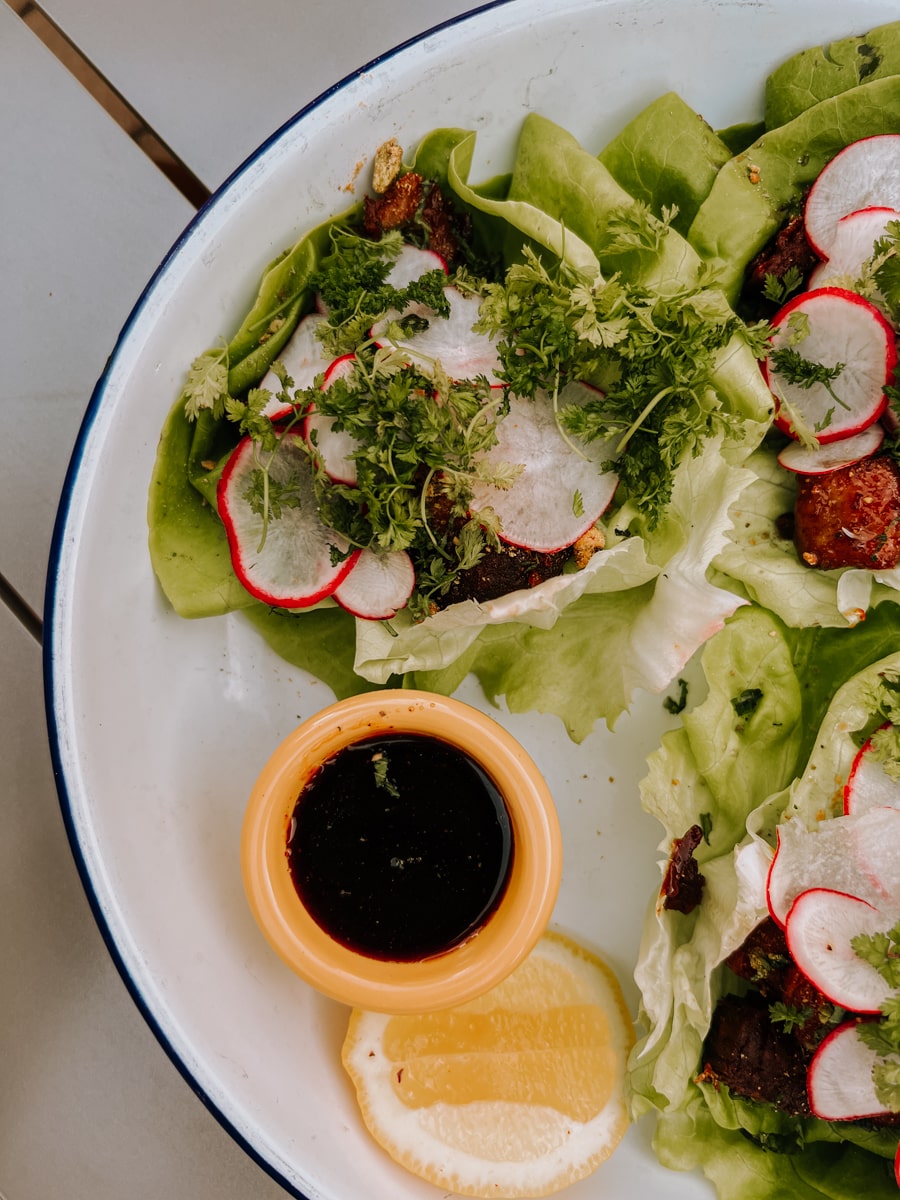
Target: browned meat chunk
point(500, 570)
point(745, 1051)
point(396, 208)
point(504, 570)
point(789, 248)
point(850, 517)
point(682, 888)
point(765, 961)
point(763, 958)
point(440, 221)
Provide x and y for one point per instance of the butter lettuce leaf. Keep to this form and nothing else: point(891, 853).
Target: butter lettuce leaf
point(667, 157)
point(754, 191)
point(823, 71)
point(578, 645)
point(814, 689)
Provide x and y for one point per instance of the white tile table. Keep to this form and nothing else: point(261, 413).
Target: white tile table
point(91, 1108)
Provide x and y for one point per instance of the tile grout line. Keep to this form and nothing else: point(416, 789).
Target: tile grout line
point(25, 614)
point(112, 101)
point(136, 128)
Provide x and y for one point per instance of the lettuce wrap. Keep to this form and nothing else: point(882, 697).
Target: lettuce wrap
point(579, 644)
point(741, 769)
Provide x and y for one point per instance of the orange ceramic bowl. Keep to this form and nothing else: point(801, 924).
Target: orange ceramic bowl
point(456, 975)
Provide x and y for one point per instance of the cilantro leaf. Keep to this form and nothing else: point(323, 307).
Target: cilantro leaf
point(207, 384)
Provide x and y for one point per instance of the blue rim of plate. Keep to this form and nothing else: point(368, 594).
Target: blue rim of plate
point(52, 590)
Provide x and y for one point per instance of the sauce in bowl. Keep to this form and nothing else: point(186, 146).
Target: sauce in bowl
point(401, 851)
point(400, 846)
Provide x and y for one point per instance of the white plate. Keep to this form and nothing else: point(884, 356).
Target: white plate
point(159, 725)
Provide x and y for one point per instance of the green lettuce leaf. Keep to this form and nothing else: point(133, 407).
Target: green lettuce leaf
point(752, 193)
point(667, 156)
point(822, 71)
point(812, 688)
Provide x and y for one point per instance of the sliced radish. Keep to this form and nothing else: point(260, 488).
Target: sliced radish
point(412, 263)
point(854, 240)
point(303, 357)
point(335, 447)
point(819, 929)
point(296, 565)
point(865, 173)
point(868, 784)
point(559, 493)
point(822, 460)
point(843, 328)
point(876, 849)
point(451, 340)
point(839, 1080)
point(378, 586)
point(851, 854)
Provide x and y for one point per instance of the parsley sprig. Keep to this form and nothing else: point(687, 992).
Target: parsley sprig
point(652, 355)
point(352, 282)
point(882, 951)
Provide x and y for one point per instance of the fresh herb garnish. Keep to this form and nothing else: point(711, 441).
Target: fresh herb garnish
point(380, 764)
point(789, 1017)
point(675, 705)
point(746, 703)
point(778, 288)
point(352, 281)
point(882, 951)
point(207, 384)
point(705, 822)
point(653, 358)
point(802, 372)
point(883, 725)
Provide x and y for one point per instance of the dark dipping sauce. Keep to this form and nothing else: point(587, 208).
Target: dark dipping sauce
point(400, 846)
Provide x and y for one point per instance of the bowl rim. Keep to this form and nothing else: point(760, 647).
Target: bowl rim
point(477, 963)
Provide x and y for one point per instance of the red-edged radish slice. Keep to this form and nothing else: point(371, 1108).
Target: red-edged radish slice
point(854, 240)
point(378, 586)
point(863, 174)
point(839, 1078)
point(876, 851)
point(303, 357)
point(335, 447)
point(450, 340)
point(843, 328)
point(296, 565)
point(868, 784)
point(559, 493)
point(819, 929)
point(412, 263)
point(833, 456)
point(805, 859)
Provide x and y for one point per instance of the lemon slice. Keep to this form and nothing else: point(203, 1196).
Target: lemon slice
point(518, 1093)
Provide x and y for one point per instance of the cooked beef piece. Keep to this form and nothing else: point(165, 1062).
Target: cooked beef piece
point(500, 570)
point(789, 248)
point(503, 570)
point(410, 202)
point(682, 888)
point(850, 517)
point(441, 223)
point(396, 208)
point(754, 1058)
point(763, 958)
